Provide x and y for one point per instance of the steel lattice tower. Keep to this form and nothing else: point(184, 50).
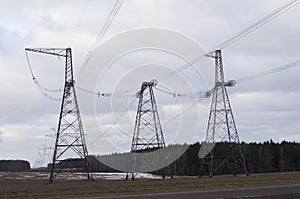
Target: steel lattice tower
point(147, 131)
point(148, 134)
point(221, 130)
point(70, 138)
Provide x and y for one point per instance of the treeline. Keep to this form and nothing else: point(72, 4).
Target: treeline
point(272, 157)
point(260, 158)
point(14, 165)
point(77, 164)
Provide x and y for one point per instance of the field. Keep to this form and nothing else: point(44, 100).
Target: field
point(13, 187)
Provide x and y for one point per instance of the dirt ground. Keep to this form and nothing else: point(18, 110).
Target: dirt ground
point(10, 187)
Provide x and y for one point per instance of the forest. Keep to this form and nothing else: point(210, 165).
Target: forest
point(259, 158)
point(14, 165)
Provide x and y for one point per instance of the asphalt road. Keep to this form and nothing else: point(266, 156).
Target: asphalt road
point(231, 193)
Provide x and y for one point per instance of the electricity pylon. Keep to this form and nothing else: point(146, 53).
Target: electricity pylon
point(148, 134)
point(70, 138)
point(222, 136)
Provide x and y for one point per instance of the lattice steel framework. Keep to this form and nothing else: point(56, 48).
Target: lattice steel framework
point(148, 134)
point(70, 140)
point(221, 130)
point(147, 131)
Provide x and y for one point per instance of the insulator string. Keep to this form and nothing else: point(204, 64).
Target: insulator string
point(41, 88)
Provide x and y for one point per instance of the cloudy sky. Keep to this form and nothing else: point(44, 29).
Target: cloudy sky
point(265, 108)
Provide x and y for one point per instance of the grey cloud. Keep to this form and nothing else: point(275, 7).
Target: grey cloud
point(1, 137)
point(264, 108)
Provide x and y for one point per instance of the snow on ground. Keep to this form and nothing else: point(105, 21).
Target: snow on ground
point(72, 175)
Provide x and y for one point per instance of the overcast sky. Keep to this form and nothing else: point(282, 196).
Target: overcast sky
point(265, 108)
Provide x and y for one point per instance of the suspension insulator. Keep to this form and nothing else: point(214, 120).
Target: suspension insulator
point(207, 94)
point(154, 82)
point(137, 94)
point(230, 83)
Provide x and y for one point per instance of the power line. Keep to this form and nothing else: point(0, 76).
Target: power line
point(238, 36)
point(197, 94)
point(29, 65)
point(257, 24)
point(98, 39)
point(187, 65)
point(205, 94)
point(268, 72)
point(192, 95)
point(104, 29)
point(166, 92)
point(117, 94)
point(88, 91)
point(224, 44)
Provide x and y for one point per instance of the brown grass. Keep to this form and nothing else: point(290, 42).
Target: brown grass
point(38, 188)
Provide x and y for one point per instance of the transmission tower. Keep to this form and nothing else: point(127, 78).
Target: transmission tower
point(222, 136)
point(70, 138)
point(148, 135)
point(43, 155)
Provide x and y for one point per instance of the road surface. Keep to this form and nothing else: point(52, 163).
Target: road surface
point(241, 192)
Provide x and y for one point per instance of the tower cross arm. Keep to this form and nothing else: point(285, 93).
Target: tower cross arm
point(61, 52)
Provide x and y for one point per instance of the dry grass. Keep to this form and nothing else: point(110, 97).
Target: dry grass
point(37, 188)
